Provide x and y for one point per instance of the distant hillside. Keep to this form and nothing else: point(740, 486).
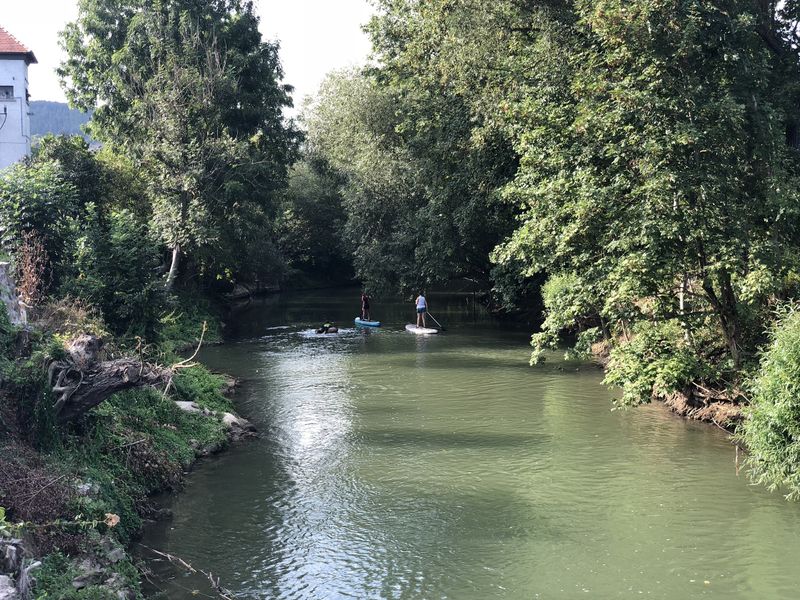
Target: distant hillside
point(57, 118)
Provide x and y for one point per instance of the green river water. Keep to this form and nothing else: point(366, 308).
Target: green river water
point(399, 466)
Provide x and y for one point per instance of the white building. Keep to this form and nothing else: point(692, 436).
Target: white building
point(15, 120)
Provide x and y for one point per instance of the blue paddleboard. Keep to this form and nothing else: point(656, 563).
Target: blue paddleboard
point(358, 321)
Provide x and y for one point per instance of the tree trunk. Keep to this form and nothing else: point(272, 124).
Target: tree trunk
point(173, 269)
point(83, 380)
point(725, 306)
point(682, 308)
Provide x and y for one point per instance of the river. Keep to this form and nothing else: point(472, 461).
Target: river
point(399, 466)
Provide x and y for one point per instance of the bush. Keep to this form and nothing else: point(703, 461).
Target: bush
point(54, 581)
point(37, 198)
point(568, 307)
point(181, 328)
point(655, 361)
point(113, 266)
point(771, 429)
point(26, 381)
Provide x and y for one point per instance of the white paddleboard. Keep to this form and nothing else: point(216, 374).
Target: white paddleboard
point(420, 330)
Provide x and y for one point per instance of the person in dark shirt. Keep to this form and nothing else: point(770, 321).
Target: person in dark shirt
point(365, 306)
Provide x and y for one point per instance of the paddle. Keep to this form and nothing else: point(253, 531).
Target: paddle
point(434, 320)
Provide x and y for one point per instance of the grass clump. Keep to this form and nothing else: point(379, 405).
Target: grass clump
point(54, 580)
point(181, 328)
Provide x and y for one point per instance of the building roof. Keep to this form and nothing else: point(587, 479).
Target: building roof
point(10, 45)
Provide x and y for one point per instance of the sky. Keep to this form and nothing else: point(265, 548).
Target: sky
point(316, 36)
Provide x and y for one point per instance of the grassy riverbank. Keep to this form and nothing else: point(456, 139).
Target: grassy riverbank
point(75, 496)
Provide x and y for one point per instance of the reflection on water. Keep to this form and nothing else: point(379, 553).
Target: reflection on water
point(400, 466)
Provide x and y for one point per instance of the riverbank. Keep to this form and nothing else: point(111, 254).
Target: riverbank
point(699, 404)
point(74, 496)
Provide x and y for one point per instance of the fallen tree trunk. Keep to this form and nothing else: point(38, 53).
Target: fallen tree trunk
point(83, 380)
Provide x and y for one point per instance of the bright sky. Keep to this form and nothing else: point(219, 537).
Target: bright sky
point(316, 37)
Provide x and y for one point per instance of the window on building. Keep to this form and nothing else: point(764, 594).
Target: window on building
point(6, 92)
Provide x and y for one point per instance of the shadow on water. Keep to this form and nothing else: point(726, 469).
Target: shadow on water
point(420, 438)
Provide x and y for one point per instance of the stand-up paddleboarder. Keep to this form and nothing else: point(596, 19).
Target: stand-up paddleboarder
point(422, 308)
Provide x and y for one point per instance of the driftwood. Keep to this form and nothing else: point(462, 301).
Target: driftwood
point(83, 379)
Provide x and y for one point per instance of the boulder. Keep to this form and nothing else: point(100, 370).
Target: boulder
point(229, 385)
point(238, 427)
point(117, 585)
point(190, 407)
point(90, 573)
point(8, 590)
point(87, 488)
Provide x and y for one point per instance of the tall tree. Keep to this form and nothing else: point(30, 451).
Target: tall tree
point(191, 91)
point(664, 174)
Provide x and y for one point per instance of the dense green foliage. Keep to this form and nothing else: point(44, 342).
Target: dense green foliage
point(191, 93)
point(419, 196)
point(113, 265)
point(639, 158)
point(772, 427)
point(37, 198)
point(134, 243)
point(95, 247)
point(310, 225)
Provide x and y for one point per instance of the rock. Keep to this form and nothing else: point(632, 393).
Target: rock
point(11, 554)
point(112, 551)
point(209, 449)
point(8, 590)
point(90, 573)
point(190, 407)
point(8, 296)
point(238, 427)
point(229, 385)
point(87, 488)
point(117, 584)
point(116, 555)
point(154, 513)
point(162, 514)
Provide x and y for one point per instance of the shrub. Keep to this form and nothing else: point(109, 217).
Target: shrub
point(113, 266)
point(54, 580)
point(568, 307)
point(656, 360)
point(26, 380)
point(771, 429)
point(181, 328)
point(37, 198)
